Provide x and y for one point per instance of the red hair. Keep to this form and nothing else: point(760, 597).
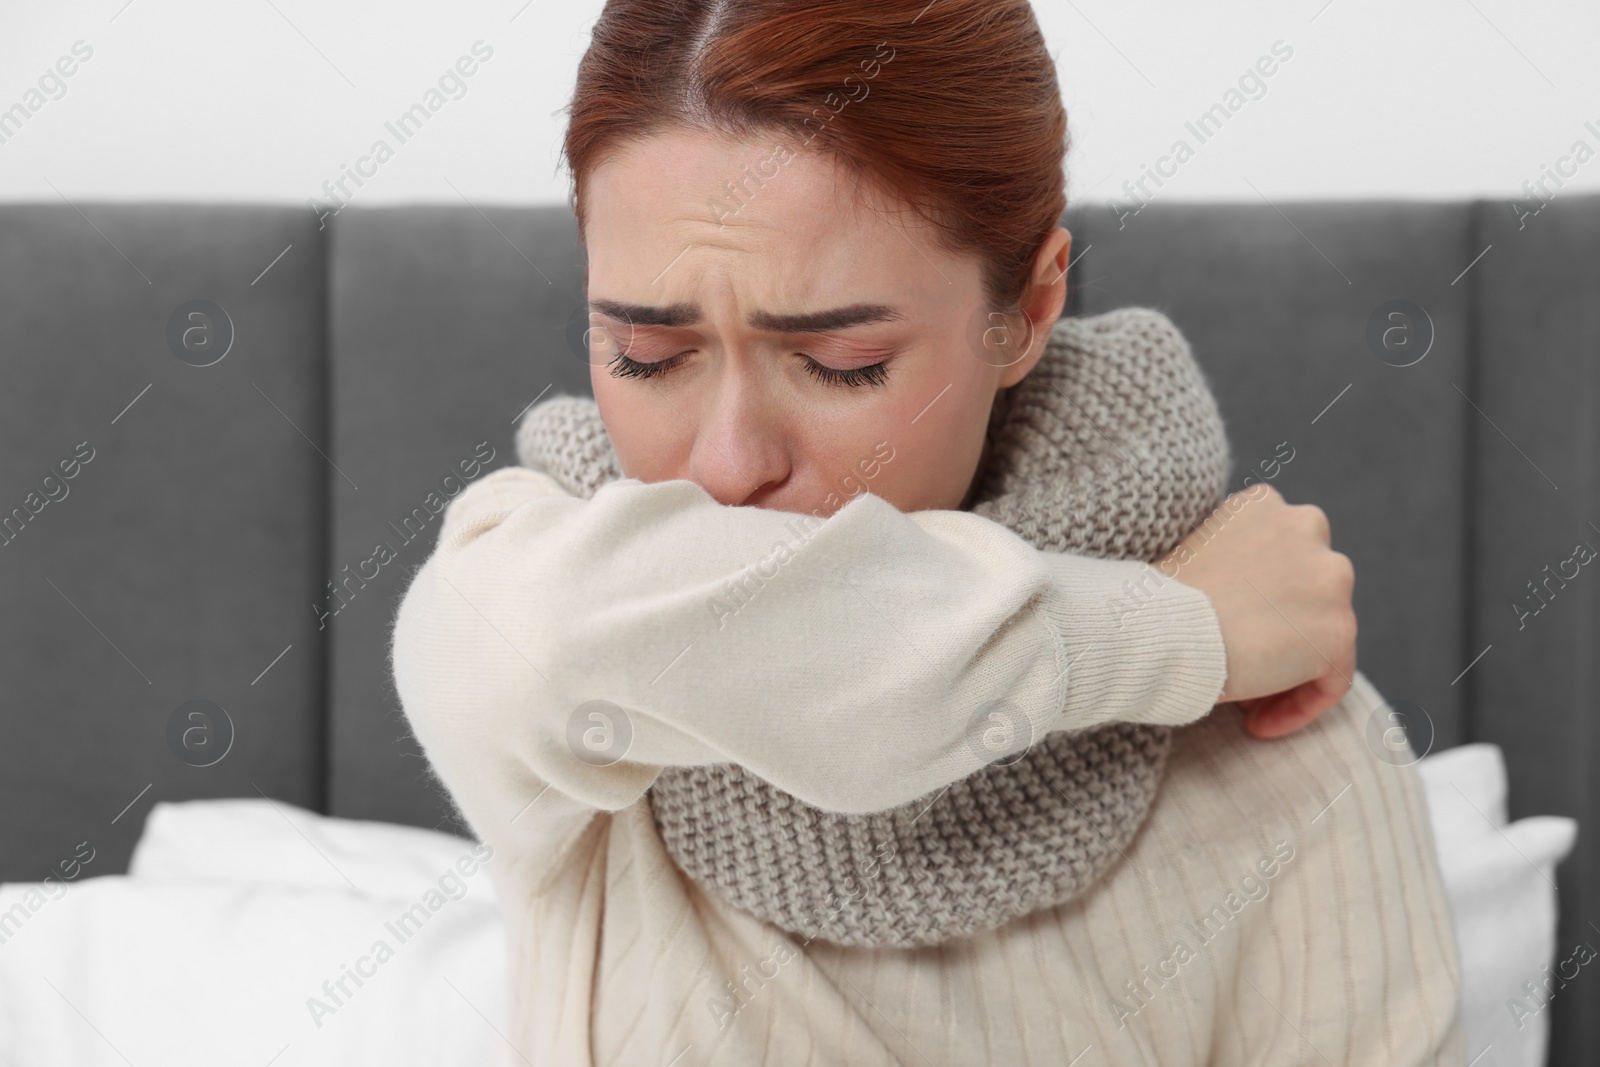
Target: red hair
point(951, 107)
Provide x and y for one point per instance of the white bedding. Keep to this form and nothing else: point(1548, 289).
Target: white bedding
point(232, 917)
point(226, 941)
point(1500, 879)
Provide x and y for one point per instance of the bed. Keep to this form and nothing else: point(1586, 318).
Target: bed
point(199, 612)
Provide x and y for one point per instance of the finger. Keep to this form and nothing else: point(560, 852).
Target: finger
point(1284, 713)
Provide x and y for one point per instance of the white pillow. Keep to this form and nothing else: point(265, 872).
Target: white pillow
point(1500, 880)
point(269, 841)
point(218, 949)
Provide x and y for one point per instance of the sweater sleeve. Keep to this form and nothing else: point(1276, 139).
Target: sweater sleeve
point(554, 652)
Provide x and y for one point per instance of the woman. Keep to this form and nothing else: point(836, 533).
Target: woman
point(798, 214)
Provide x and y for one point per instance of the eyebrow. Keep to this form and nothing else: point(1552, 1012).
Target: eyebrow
point(680, 315)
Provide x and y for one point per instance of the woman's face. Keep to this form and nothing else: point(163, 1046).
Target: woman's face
point(759, 290)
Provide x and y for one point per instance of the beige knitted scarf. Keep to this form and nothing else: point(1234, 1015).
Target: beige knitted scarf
point(1112, 446)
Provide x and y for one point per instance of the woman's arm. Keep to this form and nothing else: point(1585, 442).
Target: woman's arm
point(848, 661)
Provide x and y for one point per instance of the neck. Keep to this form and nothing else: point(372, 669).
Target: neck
point(977, 475)
point(998, 411)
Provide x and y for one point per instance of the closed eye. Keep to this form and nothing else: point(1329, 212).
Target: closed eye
point(875, 374)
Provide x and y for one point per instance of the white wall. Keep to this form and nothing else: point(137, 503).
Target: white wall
point(265, 100)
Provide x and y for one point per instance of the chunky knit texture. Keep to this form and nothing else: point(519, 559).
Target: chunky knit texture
point(1112, 446)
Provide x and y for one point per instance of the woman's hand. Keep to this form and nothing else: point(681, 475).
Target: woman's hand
point(1283, 600)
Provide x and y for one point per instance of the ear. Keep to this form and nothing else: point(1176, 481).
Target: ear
point(1044, 300)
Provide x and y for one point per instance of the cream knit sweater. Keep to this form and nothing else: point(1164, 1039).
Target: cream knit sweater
point(1281, 905)
point(1112, 446)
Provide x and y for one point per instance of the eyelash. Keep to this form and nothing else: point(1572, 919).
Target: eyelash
point(876, 374)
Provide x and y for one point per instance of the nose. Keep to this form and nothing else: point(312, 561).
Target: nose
point(741, 446)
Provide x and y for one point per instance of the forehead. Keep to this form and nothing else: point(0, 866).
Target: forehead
point(786, 223)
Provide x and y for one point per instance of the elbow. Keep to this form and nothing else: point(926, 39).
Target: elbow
point(409, 639)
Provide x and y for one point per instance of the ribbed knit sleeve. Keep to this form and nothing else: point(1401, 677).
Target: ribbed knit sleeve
point(849, 661)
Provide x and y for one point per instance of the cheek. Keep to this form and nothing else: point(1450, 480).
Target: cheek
point(642, 432)
point(915, 465)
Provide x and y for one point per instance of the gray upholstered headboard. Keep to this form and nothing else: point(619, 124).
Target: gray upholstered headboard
point(189, 555)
